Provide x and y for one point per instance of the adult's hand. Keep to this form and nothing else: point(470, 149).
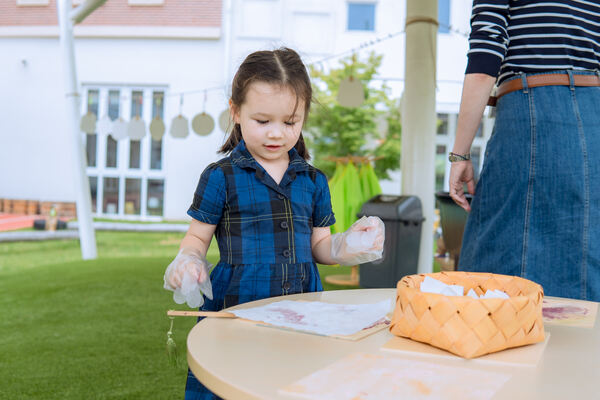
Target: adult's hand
point(461, 172)
point(475, 94)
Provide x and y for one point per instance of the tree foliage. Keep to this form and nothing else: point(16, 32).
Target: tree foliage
point(370, 130)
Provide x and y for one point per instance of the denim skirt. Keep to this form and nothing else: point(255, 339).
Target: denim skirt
point(536, 209)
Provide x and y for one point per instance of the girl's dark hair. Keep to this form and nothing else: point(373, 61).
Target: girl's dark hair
point(282, 66)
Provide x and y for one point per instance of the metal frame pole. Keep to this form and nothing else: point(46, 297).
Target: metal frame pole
point(66, 14)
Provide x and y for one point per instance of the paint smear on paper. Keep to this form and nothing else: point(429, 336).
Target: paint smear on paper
point(570, 312)
point(316, 317)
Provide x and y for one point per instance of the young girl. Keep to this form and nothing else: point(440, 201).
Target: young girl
point(269, 210)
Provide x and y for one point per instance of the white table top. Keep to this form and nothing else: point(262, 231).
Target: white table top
point(239, 360)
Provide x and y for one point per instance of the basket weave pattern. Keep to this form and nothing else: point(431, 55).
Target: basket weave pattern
point(466, 326)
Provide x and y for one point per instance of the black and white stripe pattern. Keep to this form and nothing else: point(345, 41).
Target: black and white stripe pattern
point(512, 36)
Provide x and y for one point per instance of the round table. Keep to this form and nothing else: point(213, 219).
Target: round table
point(240, 360)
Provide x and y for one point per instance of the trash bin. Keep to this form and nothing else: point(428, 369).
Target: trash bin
point(403, 219)
point(453, 219)
point(40, 224)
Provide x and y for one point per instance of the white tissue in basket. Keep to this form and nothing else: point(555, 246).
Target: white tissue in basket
point(431, 285)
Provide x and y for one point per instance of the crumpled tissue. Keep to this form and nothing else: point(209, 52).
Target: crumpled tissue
point(189, 292)
point(431, 285)
point(188, 278)
point(361, 243)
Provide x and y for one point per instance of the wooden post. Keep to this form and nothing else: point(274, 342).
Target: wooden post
point(419, 117)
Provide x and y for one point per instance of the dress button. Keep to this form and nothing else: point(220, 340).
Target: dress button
point(286, 286)
point(283, 224)
point(280, 196)
point(286, 253)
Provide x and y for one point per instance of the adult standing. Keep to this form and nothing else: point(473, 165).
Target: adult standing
point(536, 209)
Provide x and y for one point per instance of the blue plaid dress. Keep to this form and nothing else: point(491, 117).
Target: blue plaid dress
point(263, 232)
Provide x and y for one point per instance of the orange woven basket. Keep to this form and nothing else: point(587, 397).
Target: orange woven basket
point(466, 326)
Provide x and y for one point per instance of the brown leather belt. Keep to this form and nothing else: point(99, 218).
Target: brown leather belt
point(543, 80)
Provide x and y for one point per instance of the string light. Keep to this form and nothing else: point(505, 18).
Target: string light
point(362, 46)
point(203, 127)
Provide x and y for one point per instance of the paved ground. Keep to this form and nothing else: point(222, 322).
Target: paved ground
point(11, 222)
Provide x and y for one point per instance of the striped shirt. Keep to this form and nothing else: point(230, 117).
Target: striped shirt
point(513, 36)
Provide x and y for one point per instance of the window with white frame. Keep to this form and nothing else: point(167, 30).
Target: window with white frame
point(440, 166)
point(444, 16)
point(361, 16)
point(91, 138)
point(94, 192)
point(126, 176)
point(135, 146)
point(442, 124)
point(112, 146)
point(158, 97)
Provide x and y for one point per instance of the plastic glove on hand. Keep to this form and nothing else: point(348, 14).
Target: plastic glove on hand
point(187, 276)
point(361, 243)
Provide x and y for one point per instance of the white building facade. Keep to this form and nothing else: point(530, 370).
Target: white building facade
point(158, 59)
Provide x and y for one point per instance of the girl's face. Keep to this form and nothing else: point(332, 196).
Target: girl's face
point(269, 125)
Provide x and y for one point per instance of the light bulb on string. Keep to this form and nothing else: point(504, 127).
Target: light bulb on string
point(157, 128)
point(104, 125)
point(203, 124)
point(179, 125)
point(119, 129)
point(136, 129)
point(351, 93)
point(225, 121)
point(88, 122)
point(157, 125)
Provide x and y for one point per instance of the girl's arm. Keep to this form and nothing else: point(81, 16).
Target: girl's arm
point(198, 237)
point(320, 242)
point(476, 91)
point(352, 246)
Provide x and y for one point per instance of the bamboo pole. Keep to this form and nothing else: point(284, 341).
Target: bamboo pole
point(419, 118)
point(210, 314)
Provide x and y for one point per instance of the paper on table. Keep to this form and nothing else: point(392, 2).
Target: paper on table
point(376, 376)
point(318, 317)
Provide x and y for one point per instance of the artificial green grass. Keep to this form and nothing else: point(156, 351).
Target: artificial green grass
point(89, 330)
point(96, 329)
point(25, 255)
